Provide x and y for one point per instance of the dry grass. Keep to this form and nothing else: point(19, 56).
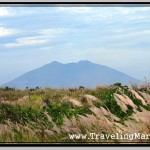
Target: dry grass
point(146, 97)
point(98, 119)
point(89, 99)
point(121, 104)
point(74, 102)
point(138, 97)
point(126, 100)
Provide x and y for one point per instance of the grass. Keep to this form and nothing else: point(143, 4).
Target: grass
point(46, 115)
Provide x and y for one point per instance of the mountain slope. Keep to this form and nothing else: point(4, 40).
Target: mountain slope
point(59, 75)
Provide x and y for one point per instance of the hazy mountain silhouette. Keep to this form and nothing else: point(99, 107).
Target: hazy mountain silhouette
point(58, 75)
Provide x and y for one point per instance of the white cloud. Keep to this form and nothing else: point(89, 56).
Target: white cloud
point(27, 41)
point(117, 14)
point(118, 38)
point(4, 11)
point(131, 10)
point(45, 36)
point(7, 32)
point(76, 10)
point(10, 11)
point(20, 11)
point(142, 35)
point(54, 32)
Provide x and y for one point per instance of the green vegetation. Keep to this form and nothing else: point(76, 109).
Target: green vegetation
point(34, 115)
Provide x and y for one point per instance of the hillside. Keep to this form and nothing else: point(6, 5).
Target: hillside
point(75, 115)
point(58, 75)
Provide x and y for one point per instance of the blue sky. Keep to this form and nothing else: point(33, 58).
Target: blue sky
point(118, 37)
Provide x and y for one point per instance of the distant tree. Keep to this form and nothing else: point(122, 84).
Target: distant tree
point(7, 88)
point(117, 84)
point(81, 87)
point(37, 88)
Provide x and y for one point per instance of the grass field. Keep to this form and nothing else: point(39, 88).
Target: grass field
point(52, 115)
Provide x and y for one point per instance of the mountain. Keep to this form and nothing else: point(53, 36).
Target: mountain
point(58, 75)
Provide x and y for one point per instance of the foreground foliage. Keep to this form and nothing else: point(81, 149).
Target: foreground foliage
point(50, 115)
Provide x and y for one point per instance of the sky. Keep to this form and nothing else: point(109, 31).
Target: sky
point(118, 37)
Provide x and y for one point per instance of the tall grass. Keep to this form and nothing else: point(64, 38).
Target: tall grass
point(49, 115)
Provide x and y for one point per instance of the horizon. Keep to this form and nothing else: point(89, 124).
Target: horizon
point(116, 37)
